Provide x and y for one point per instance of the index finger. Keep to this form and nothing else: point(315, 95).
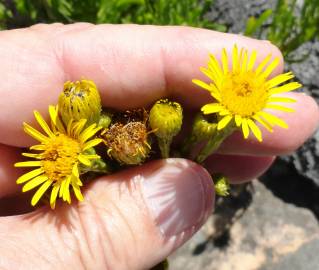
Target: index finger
point(131, 65)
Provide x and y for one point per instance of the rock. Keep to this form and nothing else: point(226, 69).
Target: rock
point(268, 235)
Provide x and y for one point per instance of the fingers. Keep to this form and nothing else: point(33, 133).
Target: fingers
point(132, 66)
point(130, 220)
point(238, 169)
point(9, 174)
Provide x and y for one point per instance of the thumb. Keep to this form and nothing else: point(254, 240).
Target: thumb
point(129, 220)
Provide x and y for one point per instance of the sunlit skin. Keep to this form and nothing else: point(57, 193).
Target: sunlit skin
point(132, 66)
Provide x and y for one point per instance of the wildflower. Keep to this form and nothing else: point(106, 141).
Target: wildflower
point(63, 152)
point(243, 93)
point(80, 100)
point(166, 120)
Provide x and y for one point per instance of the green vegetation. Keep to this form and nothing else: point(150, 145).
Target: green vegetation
point(288, 25)
point(20, 13)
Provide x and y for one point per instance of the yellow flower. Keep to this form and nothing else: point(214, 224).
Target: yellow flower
point(243, 92)
point(61, 158)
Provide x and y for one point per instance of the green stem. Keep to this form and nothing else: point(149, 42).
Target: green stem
point(213, 143)
point(164, 146)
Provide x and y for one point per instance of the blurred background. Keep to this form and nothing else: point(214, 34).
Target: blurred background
point(272, 223)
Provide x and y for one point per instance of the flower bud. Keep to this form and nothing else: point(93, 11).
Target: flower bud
point(202, 128)
point(221, 185)
point(80, 100)
point(166, 119)
point(127, 143)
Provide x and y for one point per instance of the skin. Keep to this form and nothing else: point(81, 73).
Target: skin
point(115, 227)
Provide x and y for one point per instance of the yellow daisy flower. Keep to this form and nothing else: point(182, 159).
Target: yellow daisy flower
point(243, 92)
point(61, 159)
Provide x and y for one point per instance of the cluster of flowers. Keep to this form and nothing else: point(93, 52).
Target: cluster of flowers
point(84, 138)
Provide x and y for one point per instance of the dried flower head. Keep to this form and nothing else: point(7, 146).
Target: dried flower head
point(80, 100)
point(61, 154)
point(243, 93)
point(127, 143)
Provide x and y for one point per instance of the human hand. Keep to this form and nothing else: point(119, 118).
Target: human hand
point(135, 218)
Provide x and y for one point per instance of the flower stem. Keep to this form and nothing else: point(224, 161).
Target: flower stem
point(213, 143)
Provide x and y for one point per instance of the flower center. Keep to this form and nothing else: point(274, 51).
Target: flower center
point(60, 156)
point(243, 94)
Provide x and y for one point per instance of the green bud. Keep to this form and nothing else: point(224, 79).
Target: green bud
point(166, 119)
point(80, 100)
point(221, 185)
point(105, 119)
point(202, 129)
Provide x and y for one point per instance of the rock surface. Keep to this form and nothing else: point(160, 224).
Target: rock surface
point(267, 234)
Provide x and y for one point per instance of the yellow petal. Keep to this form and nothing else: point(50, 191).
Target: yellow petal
point(280, 79)
point(273, 119)
point(252, 60)
point(279, 107)
point(224, 122)
point(32, 155)
point(91, 144)
point(235, 59)
point(89, 132)
point(211, 75)
point(26, 177)
point(66, 192)
point(79, 127)
point(245, 128)
point(34, 183)
point(28, 164)
point(202, 84)
point(82, 158)
point(264, 123)
point(38, 147)
point(262, 64)
point(281, 99)
point(285, 88)
point(238, 120)
point(77, 192)
point(54, 194)
point(43, 124)
point(75, 171)
point(225, 61)
point(53, 111)
point(244, 62)
point(211, 108)
point(36, 197)
point(270, 68)
point(214, 66)
point(255, 129)
point(34, 133)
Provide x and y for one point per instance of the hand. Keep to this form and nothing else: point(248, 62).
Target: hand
point(135, 218)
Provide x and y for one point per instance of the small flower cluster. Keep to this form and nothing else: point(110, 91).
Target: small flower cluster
point(83, 138)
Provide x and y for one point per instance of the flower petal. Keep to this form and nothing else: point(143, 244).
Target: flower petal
point(34, 182)
point(255, 129)
point(26, 177)
point(212, 108)
point(43, 124)
point(224, 122)
point(245, 128)
point(273, 119)
point(36, 197)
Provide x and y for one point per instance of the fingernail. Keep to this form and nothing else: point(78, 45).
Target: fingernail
point(179, 195)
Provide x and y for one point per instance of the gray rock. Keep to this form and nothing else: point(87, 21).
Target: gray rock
point(269, 235)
